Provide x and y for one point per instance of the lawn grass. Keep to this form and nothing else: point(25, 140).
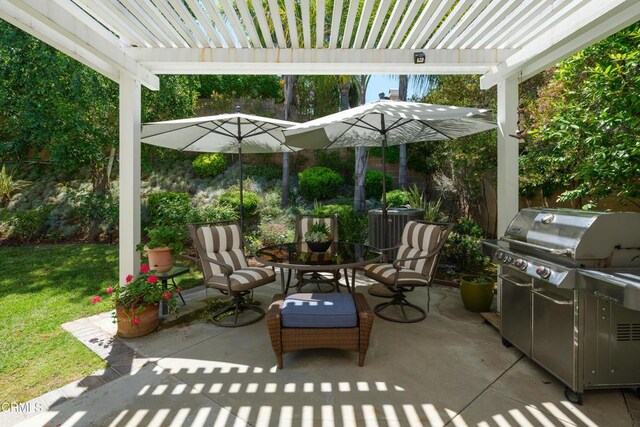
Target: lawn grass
point(42, 287)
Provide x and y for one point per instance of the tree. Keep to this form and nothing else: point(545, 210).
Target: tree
point(55, 108)
point(289, 85)
point(362, 153)
point(585, 138)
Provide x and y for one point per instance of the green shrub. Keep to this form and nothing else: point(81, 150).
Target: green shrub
point(264, 170)
point(271, 207)
point(391, 155)
point(464, 247)
point(397, 198)
point(352, 227)
point(232, 199)
point(93, 211)
point(30, 223)
point(210, 165)
point(319, 183)
point(373, 184)
point(339, 161)
point(213, 213)
point(168, 208)
point(275, 232)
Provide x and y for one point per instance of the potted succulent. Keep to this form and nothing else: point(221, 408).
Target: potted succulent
point(318, 237)
point(164, 242)
point(137, 303)
point(477, 292)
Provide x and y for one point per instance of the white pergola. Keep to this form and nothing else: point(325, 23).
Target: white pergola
point(132, 41)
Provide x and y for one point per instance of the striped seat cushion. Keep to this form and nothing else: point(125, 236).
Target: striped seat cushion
point(386, 274)
point(417, 241)
point(304, 224)
point(224, 244)
point(243, 279)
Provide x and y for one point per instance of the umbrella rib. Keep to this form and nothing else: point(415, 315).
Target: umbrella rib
point(436, 130)
point(193, 142)
point(170, 131)
point(359, 124)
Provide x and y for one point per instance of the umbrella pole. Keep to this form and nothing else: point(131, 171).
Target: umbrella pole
point(384, 190)
point(241, 199)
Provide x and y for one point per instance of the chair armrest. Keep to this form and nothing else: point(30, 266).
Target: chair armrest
point(385, 255)
point(427, 256)
point(273, 322)
point(226, 268)
point(365, 320)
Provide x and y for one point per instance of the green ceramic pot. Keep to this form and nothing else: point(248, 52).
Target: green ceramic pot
point(477, 292)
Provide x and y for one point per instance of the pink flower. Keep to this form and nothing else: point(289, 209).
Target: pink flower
point(110, 289)
point(152, 279)
point(144, 268)
point(129, 278)
point(167, 295)
point(135, 320)
point(95, 299)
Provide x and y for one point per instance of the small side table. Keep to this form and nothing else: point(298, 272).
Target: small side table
point(164, 278)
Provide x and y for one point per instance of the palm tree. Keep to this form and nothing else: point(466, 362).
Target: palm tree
point(289, 84)
point(362, 153)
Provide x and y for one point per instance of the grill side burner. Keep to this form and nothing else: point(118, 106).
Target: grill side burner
point(570, 294)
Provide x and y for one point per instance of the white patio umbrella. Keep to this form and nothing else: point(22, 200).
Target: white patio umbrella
point(385, 123)
point(224, 133)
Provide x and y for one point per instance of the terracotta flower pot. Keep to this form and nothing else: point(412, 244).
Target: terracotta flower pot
point(160, 259)
point(129, 328)
point(477, 295)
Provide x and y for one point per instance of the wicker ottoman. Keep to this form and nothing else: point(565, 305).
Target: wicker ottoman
point(305, 327)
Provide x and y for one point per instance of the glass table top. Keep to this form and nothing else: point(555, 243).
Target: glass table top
point(299, 256)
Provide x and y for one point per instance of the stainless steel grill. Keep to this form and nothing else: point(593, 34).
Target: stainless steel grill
point(570, 294)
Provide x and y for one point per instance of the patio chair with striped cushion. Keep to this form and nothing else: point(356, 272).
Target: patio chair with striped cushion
point(220, 248)
point(415, 265)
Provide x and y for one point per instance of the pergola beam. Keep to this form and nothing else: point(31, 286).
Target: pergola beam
point(315, 61)
point(574, 33)
point(54, 25)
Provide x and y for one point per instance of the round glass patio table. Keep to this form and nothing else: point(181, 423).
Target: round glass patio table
point(298, 256)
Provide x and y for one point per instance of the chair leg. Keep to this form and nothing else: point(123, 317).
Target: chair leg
point(361, 356)
point(280, 361)
point(236, 306)
point(399, 301)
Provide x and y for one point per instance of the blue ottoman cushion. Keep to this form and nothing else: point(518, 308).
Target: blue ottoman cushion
point(315, 310)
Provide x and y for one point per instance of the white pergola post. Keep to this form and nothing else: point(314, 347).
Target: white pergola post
point(507, 153)
point(130, 125)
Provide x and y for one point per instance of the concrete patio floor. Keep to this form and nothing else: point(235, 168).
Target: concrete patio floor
point(450, 369)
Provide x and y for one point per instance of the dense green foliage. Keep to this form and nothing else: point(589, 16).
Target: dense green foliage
point(30, 223)
point(210, 165)
point(464, 247)
point(54, 109)
point(250, 201)
point(213, 213)
point(168, 208)
point(397, 198)
point(391, 155)
point(340, 161)
point(585, 139)
point(93, 212)
point(373, 183)
point(352, 226)
point(241, 86)
point(263, 170)
point(319, 183)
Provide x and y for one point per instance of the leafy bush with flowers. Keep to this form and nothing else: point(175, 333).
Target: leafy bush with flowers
point(138, 292)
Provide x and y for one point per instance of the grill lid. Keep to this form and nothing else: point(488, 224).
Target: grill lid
point(579, 235)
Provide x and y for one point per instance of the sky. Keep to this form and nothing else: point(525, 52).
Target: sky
point(382, 83)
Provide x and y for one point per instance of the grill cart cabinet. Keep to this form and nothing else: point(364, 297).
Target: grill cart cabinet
point(570, 294)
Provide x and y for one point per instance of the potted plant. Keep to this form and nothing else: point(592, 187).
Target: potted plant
point(318, 237)
point(477, 292)
point(164, 242)
point(137, 303)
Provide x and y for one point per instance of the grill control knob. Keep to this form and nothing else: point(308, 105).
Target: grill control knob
point(521, 264)
point(543, 272)
point(500, 256)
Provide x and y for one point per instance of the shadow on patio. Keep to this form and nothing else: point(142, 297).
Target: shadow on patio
point(447, 370)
